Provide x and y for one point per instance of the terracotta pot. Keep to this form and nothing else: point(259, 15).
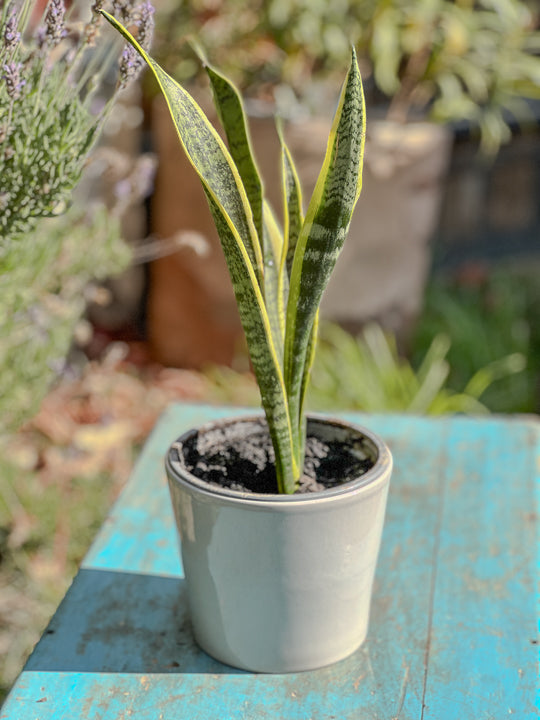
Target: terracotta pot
point(280, 583)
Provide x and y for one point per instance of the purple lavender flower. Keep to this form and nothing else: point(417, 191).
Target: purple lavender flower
point(90, 29)
point(12, 77)
point(11, 36)
point(145, 24)
point(54, 22)
point(40, 37)
point(131, 62)
point(130, 66)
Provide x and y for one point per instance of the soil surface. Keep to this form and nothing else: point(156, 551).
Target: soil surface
point(241, 457)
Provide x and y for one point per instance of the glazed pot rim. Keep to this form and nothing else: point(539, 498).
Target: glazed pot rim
point(369, 481)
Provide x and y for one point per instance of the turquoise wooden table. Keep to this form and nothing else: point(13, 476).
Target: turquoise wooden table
point(453, 636)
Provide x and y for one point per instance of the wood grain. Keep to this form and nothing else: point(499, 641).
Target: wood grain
point(453, 632)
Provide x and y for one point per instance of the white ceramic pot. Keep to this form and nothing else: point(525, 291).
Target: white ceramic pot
point(281, 583)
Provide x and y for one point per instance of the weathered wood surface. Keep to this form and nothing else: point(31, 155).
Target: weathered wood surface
point(453, 635)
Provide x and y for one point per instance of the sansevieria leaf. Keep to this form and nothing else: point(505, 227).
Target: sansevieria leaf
point(232, 216)
point(263, 352)
point(323, 233)
point(233, 119)
point(206, 152)
point(292, 206)
point(273, 295)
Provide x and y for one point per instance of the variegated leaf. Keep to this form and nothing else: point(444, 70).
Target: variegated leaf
point(206, 152)
point(299, 444)
point(262, 349)
point(324, 232)
point(233, 119)
point(292, 206)
point(273, 297)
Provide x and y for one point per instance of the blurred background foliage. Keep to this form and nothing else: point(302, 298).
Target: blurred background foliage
point(368, 373)
point(55, 96)
point(489, 315)
point(451, 61)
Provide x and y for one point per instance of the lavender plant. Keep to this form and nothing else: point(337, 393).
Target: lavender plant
point(47, 280)
point(51, 104)
point(57, 87)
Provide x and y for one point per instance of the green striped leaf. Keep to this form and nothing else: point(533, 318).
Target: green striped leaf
point(263, 353)
point(310, 359)
point(273, 297)
point(206, 152)
point(292, 206)
point(324, 232)
point(233, 118)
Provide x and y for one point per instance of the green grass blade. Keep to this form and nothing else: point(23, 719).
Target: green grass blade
point(495, 370)
point(206, 152)
point(324, 231)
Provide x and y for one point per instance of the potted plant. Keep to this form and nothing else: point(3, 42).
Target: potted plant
point(280, 517)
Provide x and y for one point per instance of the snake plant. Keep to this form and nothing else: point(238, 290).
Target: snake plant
point(278, 276)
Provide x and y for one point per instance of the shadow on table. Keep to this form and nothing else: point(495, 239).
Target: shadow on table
point(122, 622)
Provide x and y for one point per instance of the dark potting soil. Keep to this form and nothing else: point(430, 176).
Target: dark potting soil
point(240, 457)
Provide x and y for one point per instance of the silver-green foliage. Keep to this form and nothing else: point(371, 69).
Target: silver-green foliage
point(474, 61)
point(278, 277)
point(46, 128)
point(52, 106)
point(42, 297)
point(46, 138)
